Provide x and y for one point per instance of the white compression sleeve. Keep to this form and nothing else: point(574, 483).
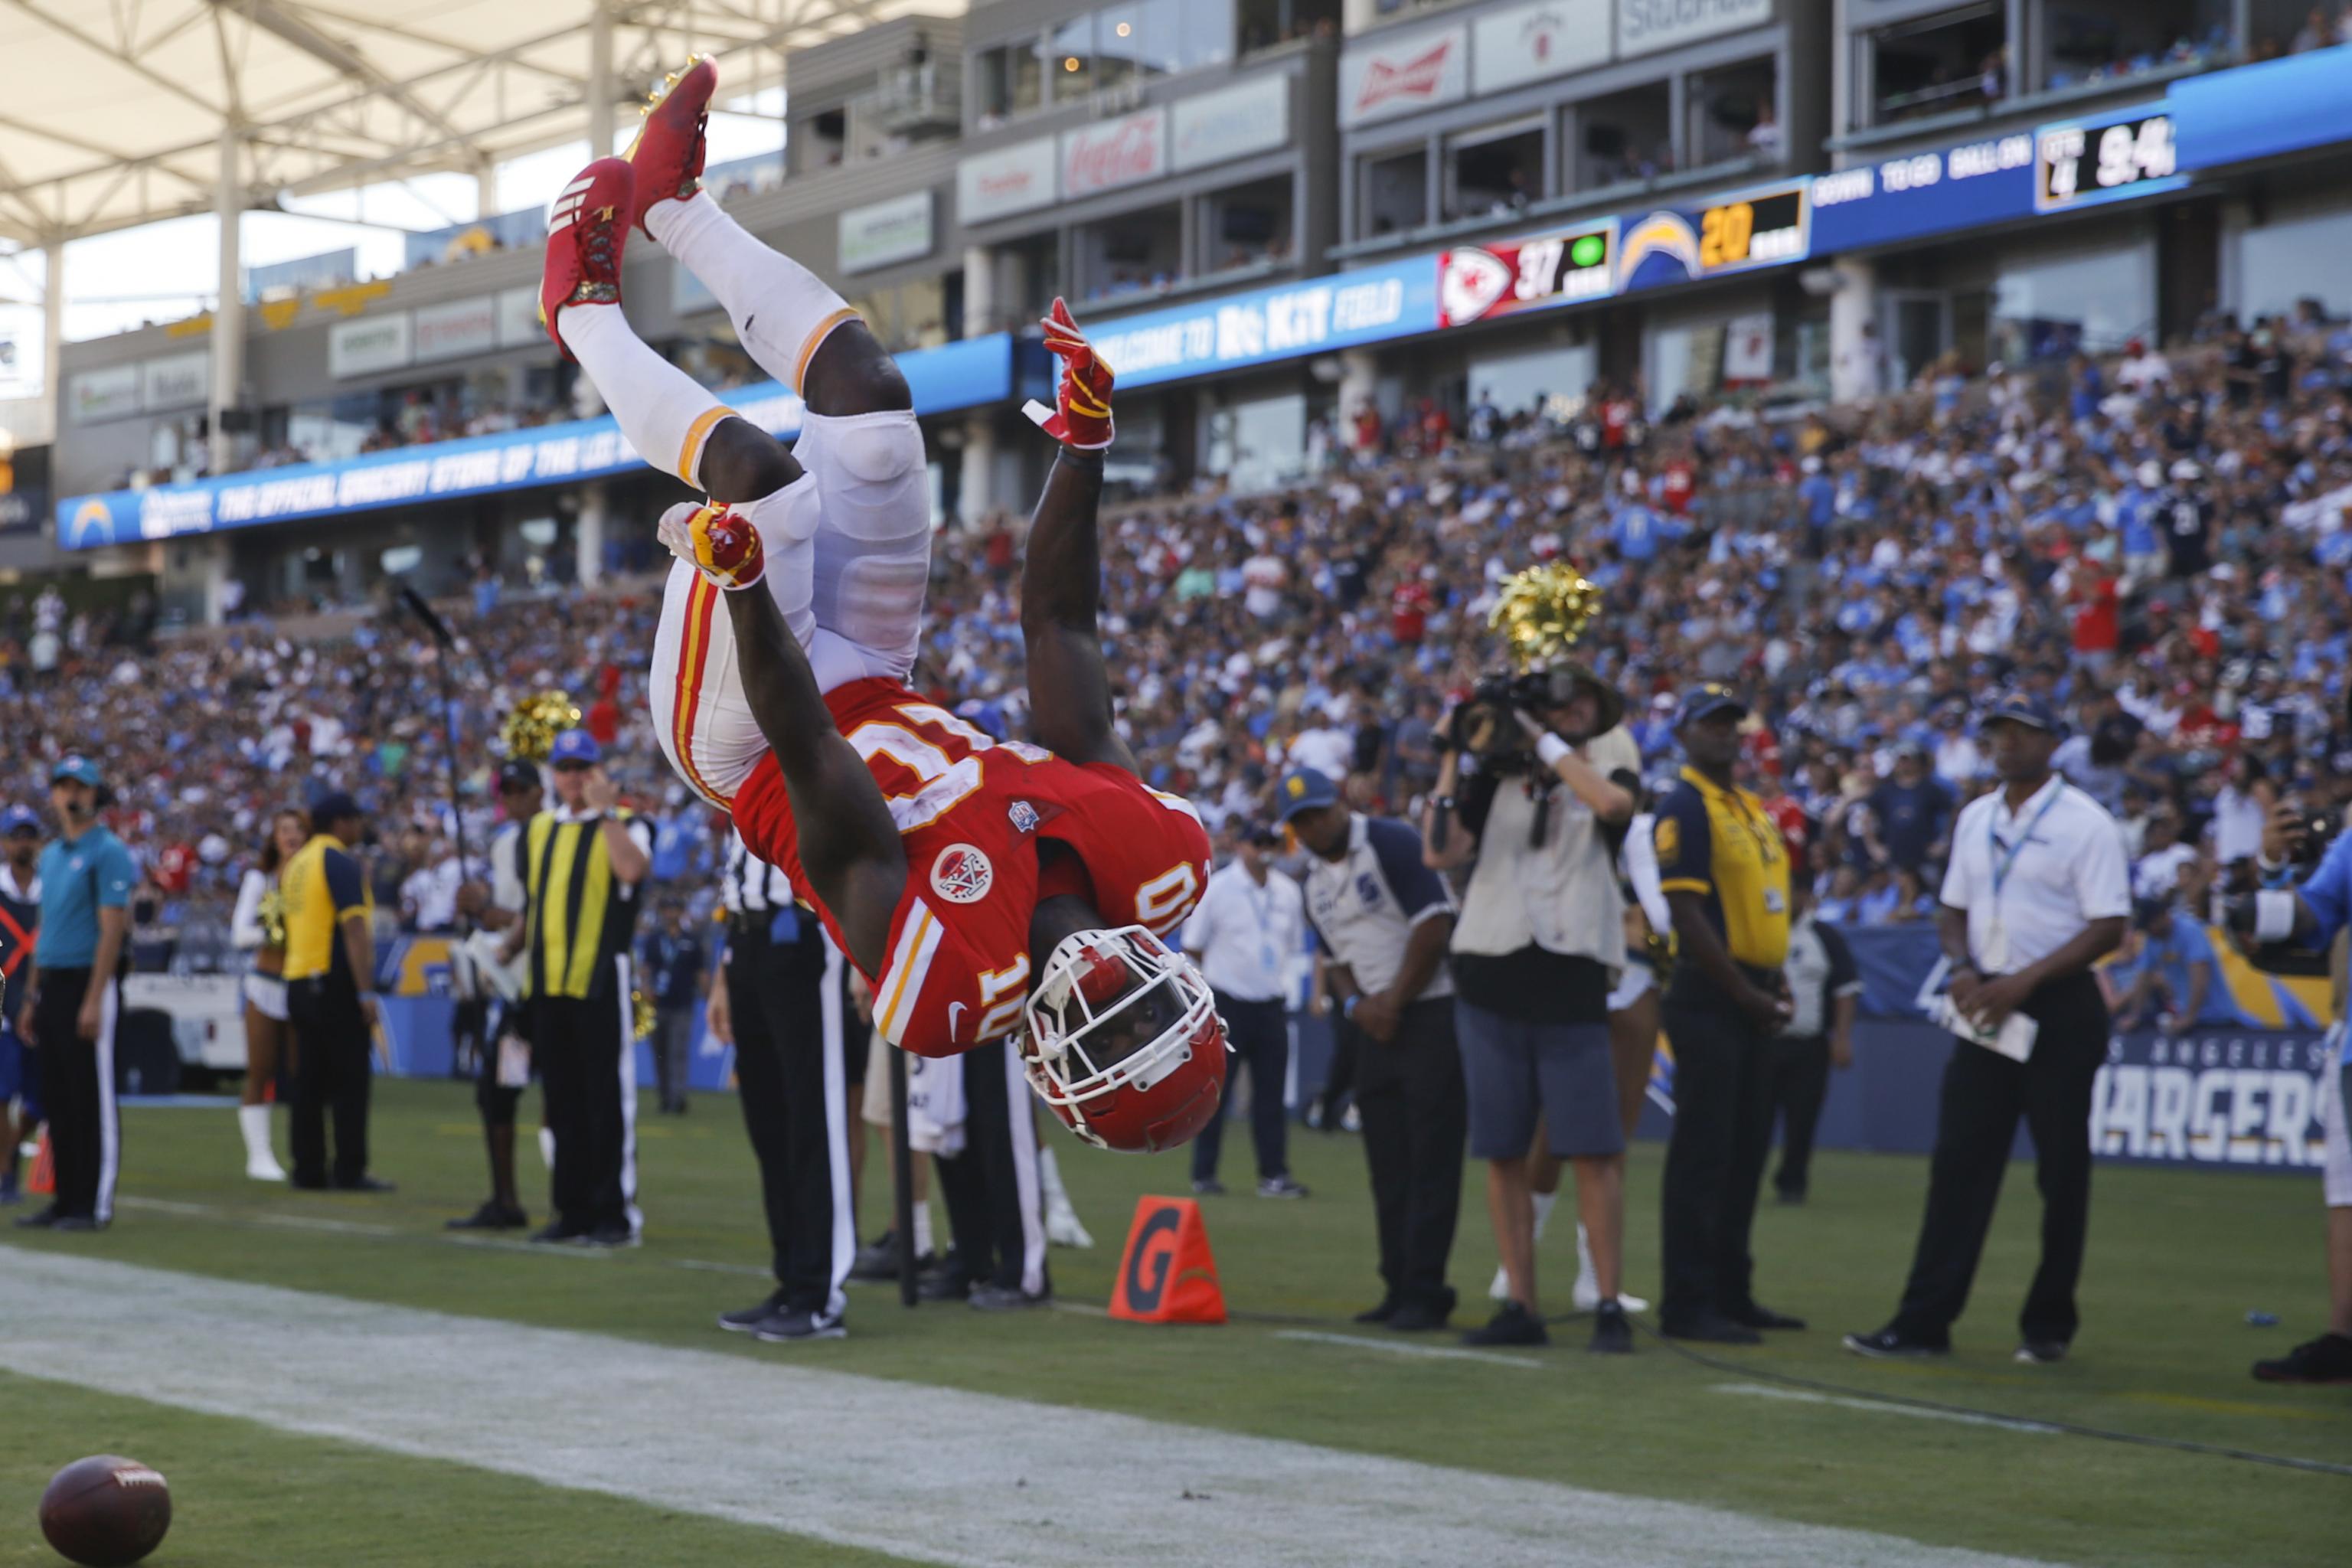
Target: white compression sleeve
point(666, 414)
point(782, 310)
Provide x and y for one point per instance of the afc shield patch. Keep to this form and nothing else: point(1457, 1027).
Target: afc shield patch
point(1666, 837)
point(961, 874)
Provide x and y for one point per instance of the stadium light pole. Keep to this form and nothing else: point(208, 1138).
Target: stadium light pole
point(600, 80)
point(229, 309)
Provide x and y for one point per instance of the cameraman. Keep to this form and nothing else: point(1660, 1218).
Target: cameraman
point(2313, 916)
point(1551, 784)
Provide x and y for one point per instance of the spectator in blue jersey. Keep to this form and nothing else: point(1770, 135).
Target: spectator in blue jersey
point(2173, 979)
point(1911, 810)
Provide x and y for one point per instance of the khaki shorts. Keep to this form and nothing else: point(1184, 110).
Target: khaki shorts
point(876, 1109)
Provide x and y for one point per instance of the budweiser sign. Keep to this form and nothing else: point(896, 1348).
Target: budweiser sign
point(1114, 154)
point(1416, 78)
point(1378, 81)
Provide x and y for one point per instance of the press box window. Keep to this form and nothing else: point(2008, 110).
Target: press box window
point(2092, 40)
point(1496, 169)
point(1395, 193)
point(1139, 252)
point(1247, 224)
point(1937, 63)
point(1733, 114)
point(1626, 136)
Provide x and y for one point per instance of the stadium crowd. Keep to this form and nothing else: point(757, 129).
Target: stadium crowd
point(2157, 546)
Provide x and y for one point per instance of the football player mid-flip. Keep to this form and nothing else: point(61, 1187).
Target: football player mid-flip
point(985, 888)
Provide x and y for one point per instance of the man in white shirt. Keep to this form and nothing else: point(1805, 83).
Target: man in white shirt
point(496, 908)
point(2037, 893)
point(1248, 928)
point(1323, 746)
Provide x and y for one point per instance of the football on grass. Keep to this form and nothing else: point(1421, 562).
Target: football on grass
point(105, 1511)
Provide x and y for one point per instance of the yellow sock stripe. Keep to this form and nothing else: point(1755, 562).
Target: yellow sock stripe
point(816, 341)
point(689, 451)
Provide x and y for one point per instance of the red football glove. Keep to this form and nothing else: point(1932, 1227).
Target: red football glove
point(1082, 416)
point(719, 543)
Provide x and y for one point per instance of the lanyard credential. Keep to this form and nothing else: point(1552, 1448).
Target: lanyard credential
point(2002, 864)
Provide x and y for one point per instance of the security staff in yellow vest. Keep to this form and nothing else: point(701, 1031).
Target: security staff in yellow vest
point(582, 864)
point(331, 998)
point(1724, 869)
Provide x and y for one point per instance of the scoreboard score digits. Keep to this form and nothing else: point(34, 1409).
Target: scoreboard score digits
point(2077, 164)
point(1754, 231)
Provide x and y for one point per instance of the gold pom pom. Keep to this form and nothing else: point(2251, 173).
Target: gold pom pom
point(273, 919)
point(641, 1013)
point(1542, 611)
point(530, 729)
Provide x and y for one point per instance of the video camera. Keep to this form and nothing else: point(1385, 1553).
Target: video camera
point(1487, 726)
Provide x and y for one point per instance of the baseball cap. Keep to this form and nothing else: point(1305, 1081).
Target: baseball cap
point(79, 769)
point(16, 819)
point(515, 773)
point(2020, 707)
point(1705, 701)
point(1261, 833)
point(334, 807)
point(576, 746)
point(1306, 790)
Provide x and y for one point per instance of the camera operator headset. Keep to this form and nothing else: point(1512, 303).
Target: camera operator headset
point(1552, 785)
point(2298, 928)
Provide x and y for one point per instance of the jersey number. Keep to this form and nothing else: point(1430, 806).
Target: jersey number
point(945, 782)
point(1161, 904)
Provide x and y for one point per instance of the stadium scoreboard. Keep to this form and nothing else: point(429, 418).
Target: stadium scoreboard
point(1754, 230)
point(2077, 164)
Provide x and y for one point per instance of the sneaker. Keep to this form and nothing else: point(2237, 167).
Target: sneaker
point(1612, 1334)
point(492, 1216)
point(75, 1222)
point(610, 1235)
point(1208, 1187)
point(1708, 1328)
point(39, 1220)
point(1351, 1120)
point(747, 1320)
point(1002, 1298)
point(1382, 1314)
point(1892, 1343)
point(1316, 1117)
point(1280, 1187)
point(669, 147)
point(787, 1328)
point(2327, 1359)
point(587, 229)
point(1513, 1324)
point(558, 1233)
point(367, 1184)
point(878, 1260)
point(1064, 1229)
point(260, 1166)
point(2040, 1352)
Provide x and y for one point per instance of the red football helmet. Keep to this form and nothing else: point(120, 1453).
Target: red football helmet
point(1124, 1041)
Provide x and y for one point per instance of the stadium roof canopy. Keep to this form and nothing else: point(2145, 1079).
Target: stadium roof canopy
point(121, 112)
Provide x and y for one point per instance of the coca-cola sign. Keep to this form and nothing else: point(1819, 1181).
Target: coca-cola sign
point(1114, 152)
point(1382, 79)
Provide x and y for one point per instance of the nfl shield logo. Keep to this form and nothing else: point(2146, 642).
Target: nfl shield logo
point(961, 875)
point(1024, 815)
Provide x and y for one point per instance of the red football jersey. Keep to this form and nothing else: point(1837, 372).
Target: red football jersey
point(970, 810)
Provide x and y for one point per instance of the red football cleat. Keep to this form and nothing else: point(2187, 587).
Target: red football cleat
point(668, 152)
point(587, 227)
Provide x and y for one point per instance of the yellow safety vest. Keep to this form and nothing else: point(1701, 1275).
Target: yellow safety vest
point(579, 919)
point(314, 944)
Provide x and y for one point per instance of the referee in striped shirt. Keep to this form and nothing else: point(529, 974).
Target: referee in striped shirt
point(780, 994)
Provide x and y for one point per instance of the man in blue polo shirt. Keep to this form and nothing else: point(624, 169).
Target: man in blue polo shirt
point(72, 998)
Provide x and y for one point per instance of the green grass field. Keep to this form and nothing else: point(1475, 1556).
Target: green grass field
point(2177, 1261)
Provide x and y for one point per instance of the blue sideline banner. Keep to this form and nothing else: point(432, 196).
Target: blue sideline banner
point(955, 375)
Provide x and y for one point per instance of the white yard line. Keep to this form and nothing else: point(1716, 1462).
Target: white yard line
point(1882, 1407)
point(1405, 1348)
point(939, 1475)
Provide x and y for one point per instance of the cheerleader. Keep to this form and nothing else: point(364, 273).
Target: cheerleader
point(259, 926)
